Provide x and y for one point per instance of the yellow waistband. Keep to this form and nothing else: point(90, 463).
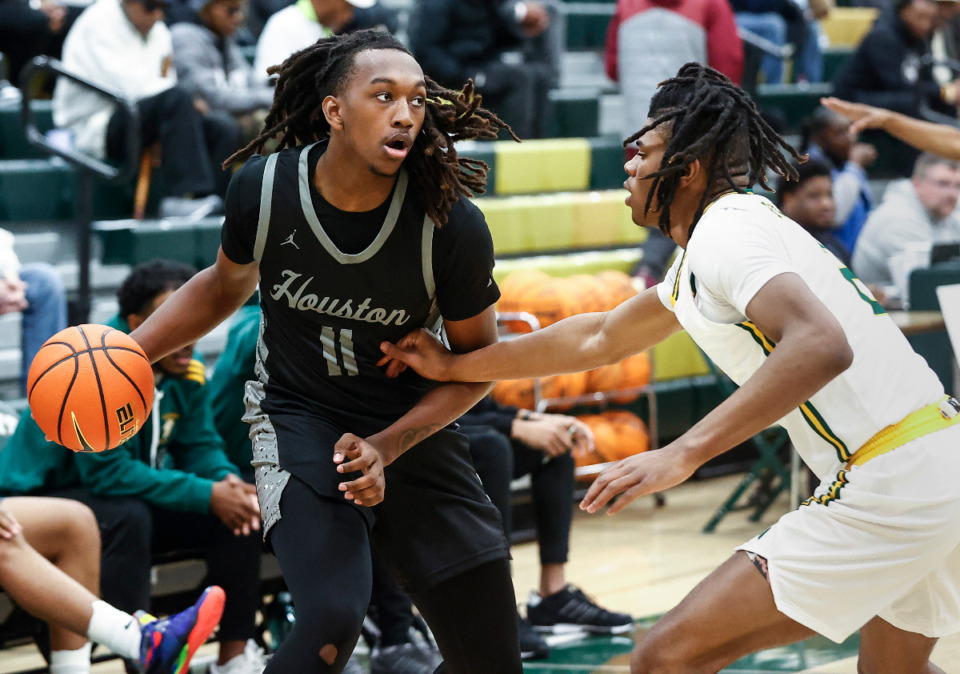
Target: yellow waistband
point(926, 420)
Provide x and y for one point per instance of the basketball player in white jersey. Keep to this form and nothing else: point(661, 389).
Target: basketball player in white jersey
point(877, 547)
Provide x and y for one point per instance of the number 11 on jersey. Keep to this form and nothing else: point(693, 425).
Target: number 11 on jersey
point(342, 341)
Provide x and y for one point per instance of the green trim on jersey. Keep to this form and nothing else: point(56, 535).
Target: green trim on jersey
point(765, 343)
point(817, 423)
point(833, 494)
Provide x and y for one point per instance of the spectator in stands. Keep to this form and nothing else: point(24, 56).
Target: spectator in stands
point(301, 24)
point(779, 22)
point(507, 443)
point(396, 650)
point(169, 488)
point(506, 47)
point(826, 137)
point(921, 209)
point(809, 202)
point(210, 65)
point(123, 45)
point(648, 41)
point(891, 67)
point(50, 566)
point(28, 29)
point(37, 292)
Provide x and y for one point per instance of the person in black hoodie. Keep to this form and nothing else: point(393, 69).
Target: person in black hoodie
point(892, 67)
point(456, 40)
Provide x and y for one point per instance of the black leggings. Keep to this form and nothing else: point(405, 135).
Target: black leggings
point(323, 548)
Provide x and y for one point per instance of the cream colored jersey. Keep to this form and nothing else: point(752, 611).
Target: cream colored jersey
point(742, 242)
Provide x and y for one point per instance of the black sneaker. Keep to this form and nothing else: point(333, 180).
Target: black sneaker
point(570, 609)
point(532, 645)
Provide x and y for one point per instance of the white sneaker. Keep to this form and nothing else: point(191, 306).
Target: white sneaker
point(194, 209)
point(251, 661)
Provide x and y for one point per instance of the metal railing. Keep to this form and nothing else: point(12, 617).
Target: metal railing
point(88, 168)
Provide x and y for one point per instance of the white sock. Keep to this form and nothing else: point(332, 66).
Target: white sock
point(118, 631)
point(71, 662)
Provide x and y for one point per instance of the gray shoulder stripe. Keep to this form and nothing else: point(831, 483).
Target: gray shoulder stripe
point(266, 204)
point(426, 259)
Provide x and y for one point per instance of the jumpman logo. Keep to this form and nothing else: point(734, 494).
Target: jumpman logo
point(290, 241)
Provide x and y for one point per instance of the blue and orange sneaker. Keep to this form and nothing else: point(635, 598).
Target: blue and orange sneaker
point(168, 644)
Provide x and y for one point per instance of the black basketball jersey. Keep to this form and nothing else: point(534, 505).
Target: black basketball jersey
point(326, 311)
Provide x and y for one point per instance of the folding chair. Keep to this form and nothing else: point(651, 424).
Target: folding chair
point(768, 472)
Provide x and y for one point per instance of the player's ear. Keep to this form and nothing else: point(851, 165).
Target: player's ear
point(135, 321)
point(331, 112)
point(691, 173)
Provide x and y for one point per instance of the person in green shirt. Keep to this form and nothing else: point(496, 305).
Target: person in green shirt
point(171, 487)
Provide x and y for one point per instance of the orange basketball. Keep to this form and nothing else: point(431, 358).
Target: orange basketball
point(515, 292)
point(631, 436)
point(634, 373)
point(604, 434)
point(520, 392)
point(590, 291)
point(605, 378)
point(618, 285)
point(553, 301)
point(90, 388)
point(588, 457)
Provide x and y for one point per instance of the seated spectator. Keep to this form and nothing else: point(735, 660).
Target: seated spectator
point(507, 443)
point(891, 67)
point(37, 292)
point(921, 209)
point(457, 40)
point(301, 24)
point(809, 202)
point(28, 29)
point(124, 46)
point(827, 138)
point(50, 566)
point(169, 488)
point(396, 650)
point(210, 66)
point(649, 32)
point(779, 22)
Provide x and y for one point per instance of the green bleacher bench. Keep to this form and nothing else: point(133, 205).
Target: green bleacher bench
point(132, 242)
point(834, 59)
point(587, 23)
point(573, 114)
point(36, 189)
point(13, 142)
point(795, 101)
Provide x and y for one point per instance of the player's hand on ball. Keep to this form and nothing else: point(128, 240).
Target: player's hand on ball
point(636, 476)
point(420, 350)
point(353, 453)
point(231, 502)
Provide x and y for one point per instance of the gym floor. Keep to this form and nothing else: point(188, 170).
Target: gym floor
point(643, 560)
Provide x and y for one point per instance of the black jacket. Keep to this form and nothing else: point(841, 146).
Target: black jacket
point(891, 69)
point(456, 39)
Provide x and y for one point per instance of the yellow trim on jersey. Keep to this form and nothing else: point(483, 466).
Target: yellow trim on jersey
point(196, 372)
point(820, 427)
point(675, 293)
point(922, 422)
point(831, 494)
point(758, 336)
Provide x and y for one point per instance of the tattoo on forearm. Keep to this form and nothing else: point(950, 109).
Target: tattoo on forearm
point(412, 436)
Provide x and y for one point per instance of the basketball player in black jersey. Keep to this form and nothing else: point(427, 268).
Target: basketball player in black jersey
point(356, 231)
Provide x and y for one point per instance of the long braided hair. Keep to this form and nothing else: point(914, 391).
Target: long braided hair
point(439, 176)
point(708, 117)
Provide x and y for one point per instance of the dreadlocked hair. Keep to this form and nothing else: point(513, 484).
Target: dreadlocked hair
point(439, 176)
point(708, 117)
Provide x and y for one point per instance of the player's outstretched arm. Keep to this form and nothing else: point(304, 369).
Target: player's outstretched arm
point(444, 404)
point(574, 344)
point(197, 307)
point(940, 139)
point(811, 349)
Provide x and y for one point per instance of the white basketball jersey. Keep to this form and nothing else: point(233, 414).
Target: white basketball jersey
point(741, 242)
